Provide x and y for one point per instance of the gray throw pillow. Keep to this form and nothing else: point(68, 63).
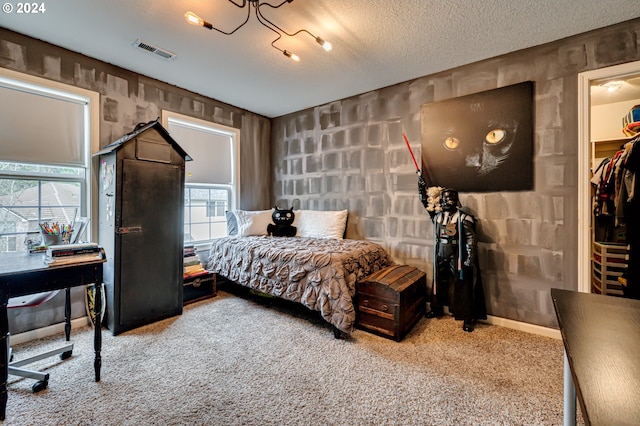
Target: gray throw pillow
point(232, 223)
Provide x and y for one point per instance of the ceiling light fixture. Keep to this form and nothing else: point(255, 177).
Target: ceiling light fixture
point(194, 19)
point(612, 86)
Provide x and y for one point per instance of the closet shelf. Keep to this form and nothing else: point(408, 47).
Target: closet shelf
point(621, 140)
point(606, 148)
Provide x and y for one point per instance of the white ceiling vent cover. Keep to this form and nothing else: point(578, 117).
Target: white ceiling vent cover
point(163, 53)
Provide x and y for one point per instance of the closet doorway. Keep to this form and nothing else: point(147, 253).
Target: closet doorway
point(594, 95)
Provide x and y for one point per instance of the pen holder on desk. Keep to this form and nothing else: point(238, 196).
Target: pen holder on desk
point(54, 234)
point(51, 239)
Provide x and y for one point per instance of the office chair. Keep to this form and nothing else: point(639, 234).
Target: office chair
point(65, 351)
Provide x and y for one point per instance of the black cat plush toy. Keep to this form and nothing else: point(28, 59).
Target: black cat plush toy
point(283, 220)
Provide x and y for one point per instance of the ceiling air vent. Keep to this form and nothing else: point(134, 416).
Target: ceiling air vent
point(163, 53)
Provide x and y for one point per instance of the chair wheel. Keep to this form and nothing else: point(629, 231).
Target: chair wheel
point(39, 386)
point(65, 355)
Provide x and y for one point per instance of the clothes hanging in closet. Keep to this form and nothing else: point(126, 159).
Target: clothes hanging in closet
point(607, 182)
point(631, 213)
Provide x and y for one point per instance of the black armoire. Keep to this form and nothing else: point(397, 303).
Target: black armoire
point(141, 226)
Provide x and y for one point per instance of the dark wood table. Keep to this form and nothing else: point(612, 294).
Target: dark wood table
point(23, 274)
point(601, 336)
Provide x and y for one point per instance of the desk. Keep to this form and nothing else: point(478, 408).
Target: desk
point(22, 274)
point(601, 336)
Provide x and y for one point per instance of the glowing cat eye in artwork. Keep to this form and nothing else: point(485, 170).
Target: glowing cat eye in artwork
point(451, 143)
point(495, 136)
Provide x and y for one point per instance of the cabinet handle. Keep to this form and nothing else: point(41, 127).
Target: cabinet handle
point(129, 229)
point(365, 302)
point(385, 308)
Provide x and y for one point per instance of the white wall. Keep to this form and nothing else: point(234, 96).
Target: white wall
point(606, 120)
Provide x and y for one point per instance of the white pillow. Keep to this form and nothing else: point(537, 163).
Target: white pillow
point(253, 222)
point(320, 224)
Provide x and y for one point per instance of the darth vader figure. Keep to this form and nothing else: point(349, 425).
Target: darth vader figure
point(456, 275)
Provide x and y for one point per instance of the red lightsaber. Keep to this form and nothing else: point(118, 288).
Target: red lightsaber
point(413, 157)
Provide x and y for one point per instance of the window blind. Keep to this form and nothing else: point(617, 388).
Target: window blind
point(41, 127)
point(210, 150)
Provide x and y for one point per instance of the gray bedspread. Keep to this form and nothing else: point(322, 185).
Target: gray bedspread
point(319, 273)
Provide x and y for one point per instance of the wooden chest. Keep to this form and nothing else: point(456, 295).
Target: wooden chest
point(391, 301)
point(199, 287)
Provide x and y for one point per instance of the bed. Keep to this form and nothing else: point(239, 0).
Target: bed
point(318, 272)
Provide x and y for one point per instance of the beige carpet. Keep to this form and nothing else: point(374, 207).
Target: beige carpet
point(252, 361)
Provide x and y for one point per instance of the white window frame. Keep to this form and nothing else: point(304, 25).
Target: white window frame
point(91, 135)
point(209, 126)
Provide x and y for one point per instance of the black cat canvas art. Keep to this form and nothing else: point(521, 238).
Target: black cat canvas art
point(481, 142)
point(282, 225)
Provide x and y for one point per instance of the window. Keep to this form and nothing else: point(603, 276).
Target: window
point(44, 156)
point(211, 181)
point(29, 197)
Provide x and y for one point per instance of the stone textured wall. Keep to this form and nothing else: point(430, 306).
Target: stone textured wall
point(350, 154)
point(127, 99)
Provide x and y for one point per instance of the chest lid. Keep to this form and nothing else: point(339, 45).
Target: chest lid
point(397, 277)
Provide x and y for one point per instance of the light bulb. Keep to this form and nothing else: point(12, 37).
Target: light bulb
point(194, 19)
point(325, 44)
point(291, 55)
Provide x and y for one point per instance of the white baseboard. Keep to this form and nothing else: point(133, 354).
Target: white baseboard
point(523, 326)
point(518, 325)
point(50, 330)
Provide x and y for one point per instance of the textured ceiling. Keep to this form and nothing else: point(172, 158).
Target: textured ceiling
point(376, 43)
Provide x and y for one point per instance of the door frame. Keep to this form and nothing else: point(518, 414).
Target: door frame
point(584, 162)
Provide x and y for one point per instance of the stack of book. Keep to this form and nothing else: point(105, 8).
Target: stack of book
point(191, 262)
point(63, 254)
